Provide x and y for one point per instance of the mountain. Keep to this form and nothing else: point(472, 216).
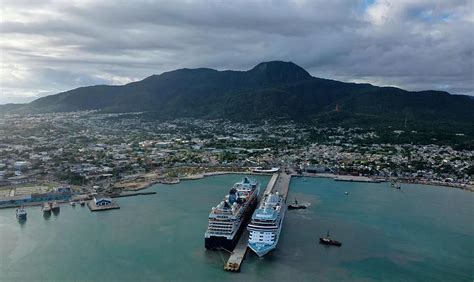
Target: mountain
point(269, 90)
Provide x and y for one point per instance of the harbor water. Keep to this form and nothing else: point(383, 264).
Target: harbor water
point(419, 233)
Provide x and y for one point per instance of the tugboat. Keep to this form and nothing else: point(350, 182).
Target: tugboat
point(328, 241)
point(46, 208)
point(395, 184)
point(21, 213)
point(55, 207)
point(296, 206)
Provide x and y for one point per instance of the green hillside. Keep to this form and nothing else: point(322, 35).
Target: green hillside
point(270, 90)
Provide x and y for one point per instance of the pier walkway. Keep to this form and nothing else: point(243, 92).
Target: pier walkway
point(271, 184)
point(238, 255)
point(283, 184)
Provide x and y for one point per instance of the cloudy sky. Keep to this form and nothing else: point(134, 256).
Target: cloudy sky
point(51, 46)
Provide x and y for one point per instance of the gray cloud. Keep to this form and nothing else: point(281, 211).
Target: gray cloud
point(52, 46)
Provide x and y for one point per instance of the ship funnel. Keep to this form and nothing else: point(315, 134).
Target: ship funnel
point(232, 195)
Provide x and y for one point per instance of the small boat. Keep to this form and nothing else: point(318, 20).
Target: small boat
point(296, 206)
point(72, 203)
point(346, 193)
point(21, 213)
point(328, 241)
point(82, 203)
point(395, 184)
point(55, 207)
point(46, 208)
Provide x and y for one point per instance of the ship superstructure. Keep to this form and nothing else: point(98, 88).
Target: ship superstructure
point(265, 227)
point(21, 213)
point(226, 220)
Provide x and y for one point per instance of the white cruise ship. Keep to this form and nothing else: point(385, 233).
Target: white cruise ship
point(266, 224)
point(226, 220)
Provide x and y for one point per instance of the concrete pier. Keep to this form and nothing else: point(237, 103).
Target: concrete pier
point(282, 185)
point(271, 183)
point(93, 207)
point(133, 194)
point(238, 255)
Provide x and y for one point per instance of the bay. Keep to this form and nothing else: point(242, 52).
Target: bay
point(419, 233)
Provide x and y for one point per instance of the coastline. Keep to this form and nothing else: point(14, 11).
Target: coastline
point(143, 182)
point(207, 174)
point(350, 178)
point(466, 187)
point(140, 185)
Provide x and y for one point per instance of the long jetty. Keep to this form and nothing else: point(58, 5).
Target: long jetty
point(133, 194)
point(283, 184)
point(238, 254)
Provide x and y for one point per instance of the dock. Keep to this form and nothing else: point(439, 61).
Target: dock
point(133, 194)
point(351, 178)
point(283, 184)
point(93, 207)
point(238, 254)
point(271, 184)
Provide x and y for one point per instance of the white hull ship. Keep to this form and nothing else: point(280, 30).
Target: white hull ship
point(265, 170)
point(226, 221)
point(266, 224)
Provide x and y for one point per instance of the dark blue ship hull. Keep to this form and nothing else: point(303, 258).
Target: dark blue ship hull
point(218, 243)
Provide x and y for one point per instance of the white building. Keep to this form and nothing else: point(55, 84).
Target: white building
point(102, 201)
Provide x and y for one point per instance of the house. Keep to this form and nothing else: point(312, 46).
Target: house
point(19, 165)
point(63, 190)
point(21, 179)
point(316, 169)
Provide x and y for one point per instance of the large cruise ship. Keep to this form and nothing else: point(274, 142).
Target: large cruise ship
point(226, 220)
point(266, 224)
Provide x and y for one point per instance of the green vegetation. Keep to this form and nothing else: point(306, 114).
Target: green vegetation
point(72, 178)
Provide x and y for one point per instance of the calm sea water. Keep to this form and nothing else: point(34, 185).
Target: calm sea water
point(421, 233)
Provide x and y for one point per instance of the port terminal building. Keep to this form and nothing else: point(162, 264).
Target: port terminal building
point(59, 194)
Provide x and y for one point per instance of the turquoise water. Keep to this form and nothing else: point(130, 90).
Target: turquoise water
point(418, 234)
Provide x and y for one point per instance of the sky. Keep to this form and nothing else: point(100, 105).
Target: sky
point(47, 47)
